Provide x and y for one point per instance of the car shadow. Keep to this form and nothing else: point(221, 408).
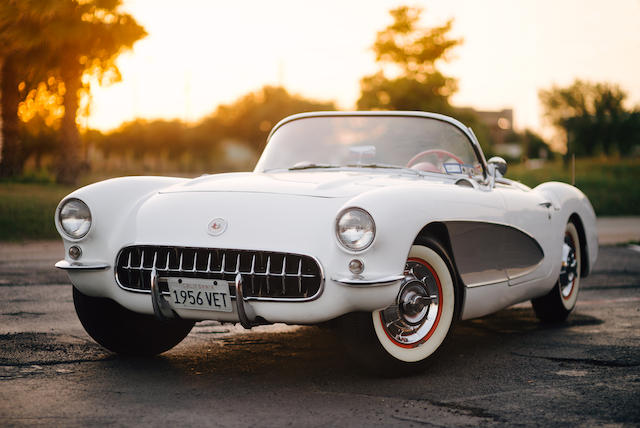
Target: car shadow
point(317, 355)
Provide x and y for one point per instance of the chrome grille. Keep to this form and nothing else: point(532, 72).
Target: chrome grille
point(266, 275)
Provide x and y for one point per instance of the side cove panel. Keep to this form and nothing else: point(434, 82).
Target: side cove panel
point(488, 253)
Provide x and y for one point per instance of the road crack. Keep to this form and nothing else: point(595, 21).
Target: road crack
point(587, 361)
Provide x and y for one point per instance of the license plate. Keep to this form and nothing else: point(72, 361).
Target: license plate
point(196, 293)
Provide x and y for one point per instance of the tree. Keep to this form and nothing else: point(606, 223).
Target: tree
point(177, 146)
point(21, 48)
point(592, 117)
point(533, 145)
point(251, 117)
point(75, 38)
point(91, 35)
point(412, 53)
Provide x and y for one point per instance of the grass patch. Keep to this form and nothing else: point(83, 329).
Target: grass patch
point(27, 210)
point(611, 185)
point(27, 206)
point(624, 244)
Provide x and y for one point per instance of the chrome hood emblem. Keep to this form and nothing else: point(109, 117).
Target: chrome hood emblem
point(217, 226)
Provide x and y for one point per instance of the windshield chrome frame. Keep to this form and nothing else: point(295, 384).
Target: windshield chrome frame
point(419, 114)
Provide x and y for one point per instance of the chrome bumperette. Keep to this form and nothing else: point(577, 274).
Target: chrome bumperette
point(66, 265)
point(360, 281)
point(244, 311)
point(161, 308)
point(266, 275)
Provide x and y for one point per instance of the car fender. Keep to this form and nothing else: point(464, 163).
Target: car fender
point(113, 203)
point(568, 201)
point(419, 206)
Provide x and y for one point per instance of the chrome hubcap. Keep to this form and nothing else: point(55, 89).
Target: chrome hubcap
point(411, 320)
point(569, 269)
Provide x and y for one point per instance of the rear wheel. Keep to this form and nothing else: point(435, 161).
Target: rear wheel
point(125, 332)
point(404, 337)
point(560, 301)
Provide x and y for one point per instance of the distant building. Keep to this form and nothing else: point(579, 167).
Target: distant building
point(500, 126)
point(499, 123)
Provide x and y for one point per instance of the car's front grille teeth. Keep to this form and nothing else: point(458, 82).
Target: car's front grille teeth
point(265, 275)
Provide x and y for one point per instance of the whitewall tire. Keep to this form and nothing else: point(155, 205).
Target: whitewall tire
point(404, 337)
point(428, 338)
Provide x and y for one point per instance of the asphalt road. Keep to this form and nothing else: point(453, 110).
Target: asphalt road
point(504, 369)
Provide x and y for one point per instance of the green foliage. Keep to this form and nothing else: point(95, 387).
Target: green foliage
point(533, 145)
point(61, 40)
point(414, 52)
point(610, 184)
point(157, 146)
point(20, 24)
point(480, 129)
point(175, 146)
point(592, 118)
point(403, 93)
point(38, 140)
point(26, 210)
point(413, 49)
point(251, 117)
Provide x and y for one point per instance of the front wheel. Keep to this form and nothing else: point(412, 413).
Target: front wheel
point(403, 337)
point(125, 332)
point(560, 301)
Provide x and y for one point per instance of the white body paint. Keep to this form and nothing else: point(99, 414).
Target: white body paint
point(295, 212)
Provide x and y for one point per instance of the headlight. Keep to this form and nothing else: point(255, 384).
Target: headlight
point(355, 229)
point(75, 218)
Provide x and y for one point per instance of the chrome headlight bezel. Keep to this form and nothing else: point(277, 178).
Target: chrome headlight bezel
point(85, 216)
point(371, 227)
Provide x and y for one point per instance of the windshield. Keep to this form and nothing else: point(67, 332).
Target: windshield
point(419, 143)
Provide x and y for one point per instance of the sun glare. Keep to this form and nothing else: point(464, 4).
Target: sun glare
point(199, 54)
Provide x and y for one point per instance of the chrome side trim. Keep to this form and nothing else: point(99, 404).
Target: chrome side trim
point(65, 265)
point(368, 282)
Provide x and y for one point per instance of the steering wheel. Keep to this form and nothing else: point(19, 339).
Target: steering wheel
point(441, 154)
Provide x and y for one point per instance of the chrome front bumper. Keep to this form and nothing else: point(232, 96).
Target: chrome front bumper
point(66, 265)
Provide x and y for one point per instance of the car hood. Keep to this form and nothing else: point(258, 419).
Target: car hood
point(322, 184)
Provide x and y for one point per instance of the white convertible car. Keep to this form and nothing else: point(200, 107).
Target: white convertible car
point(392, 225)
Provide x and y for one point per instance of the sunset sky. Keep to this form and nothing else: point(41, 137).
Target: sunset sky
point(200, 53)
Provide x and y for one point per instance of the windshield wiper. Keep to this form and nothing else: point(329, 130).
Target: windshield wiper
point(354, 165)
point(384, 166)
point(373, 165)
point(312, 165)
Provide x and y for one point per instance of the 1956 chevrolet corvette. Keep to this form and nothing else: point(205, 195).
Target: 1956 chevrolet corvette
point(392, 225)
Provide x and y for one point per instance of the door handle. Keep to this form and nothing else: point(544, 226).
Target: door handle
point(549, 204)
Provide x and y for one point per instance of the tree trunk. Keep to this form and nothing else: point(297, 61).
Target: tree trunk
point(68, 165)
point(11, 160)
point(1, 137)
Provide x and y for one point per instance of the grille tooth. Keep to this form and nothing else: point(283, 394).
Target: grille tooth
point(223, 263)
point(267, 275)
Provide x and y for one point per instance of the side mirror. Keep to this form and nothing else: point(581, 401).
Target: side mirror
point(499, 165)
